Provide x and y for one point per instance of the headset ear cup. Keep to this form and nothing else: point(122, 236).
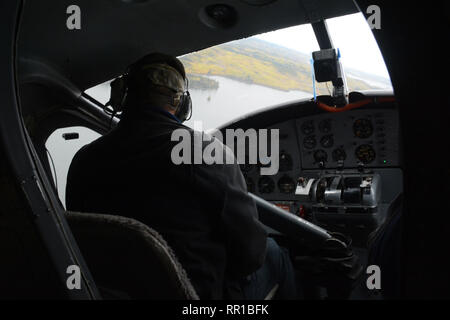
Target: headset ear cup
point(184, 110)
point(189, 106)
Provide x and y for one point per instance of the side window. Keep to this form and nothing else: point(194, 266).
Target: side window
point(62, 145)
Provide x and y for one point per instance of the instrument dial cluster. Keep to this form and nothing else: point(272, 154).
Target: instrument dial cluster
point(349, 139)
point(326, 141)
point(282, 185)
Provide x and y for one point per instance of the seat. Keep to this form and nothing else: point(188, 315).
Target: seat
point(129, 260)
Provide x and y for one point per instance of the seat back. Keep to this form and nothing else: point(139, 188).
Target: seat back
point(129, 260)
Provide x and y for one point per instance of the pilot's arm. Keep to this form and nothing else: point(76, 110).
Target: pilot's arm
point(244, 234)
point(246, 237)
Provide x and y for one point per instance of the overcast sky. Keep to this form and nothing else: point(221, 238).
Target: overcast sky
point(351, 34)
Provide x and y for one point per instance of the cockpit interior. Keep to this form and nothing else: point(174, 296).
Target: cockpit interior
point(341, 159)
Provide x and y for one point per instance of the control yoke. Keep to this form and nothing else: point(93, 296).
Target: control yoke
point(289, 224)
point(334, 264)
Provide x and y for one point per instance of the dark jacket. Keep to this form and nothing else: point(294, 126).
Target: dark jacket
point(203, 211)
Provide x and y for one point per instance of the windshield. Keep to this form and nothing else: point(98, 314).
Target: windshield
point(230, 80)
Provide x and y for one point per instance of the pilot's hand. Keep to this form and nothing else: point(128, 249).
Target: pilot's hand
point(334, 267)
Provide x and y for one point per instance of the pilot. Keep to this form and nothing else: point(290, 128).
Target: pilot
point(202, 211)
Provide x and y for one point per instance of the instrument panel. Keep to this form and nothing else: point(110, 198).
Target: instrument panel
point(353, 139)
point(341, 154)
point(349, 139)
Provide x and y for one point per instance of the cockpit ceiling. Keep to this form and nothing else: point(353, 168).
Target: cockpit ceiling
point(116, 32)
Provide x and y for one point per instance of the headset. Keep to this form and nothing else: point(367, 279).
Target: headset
point(120, 87)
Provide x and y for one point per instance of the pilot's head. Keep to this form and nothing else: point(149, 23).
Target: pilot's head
point(159, 80)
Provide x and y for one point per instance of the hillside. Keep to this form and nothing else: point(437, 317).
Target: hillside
point(259, 62)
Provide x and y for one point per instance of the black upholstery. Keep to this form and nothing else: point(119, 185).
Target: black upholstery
point(129, 260)
point(385, 247)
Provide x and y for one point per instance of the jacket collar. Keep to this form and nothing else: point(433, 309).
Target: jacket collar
point(146, 112)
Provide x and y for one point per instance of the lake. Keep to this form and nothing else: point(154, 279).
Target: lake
point(234, 99)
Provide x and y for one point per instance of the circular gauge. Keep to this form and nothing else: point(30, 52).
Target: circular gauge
point(310, 142)
point(285, 161)
point(339, 154)
point(286, 185)
point(325, 126)
point(250, 184)
point(266, 185)
point(320, 156)
point(327, 141)
point(365, 153)
point(362, 128)
point(308, 127)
